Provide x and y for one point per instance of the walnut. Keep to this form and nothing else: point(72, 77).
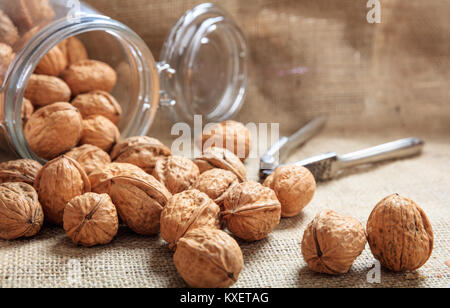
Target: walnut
point(27, 110)
point(176, 173)
point(230, 135)
point(28, 13)
point(8, 31)
point(6, 57)
point(73, 50)
point(216, 183)
point(89, 157)
point(208, 258)
point(21, 170)
point(138, 196)
point(223, 159)
point(53, 63)
point(251, 211)
point(53, 130)
point(186, 211)
point(141, 151)
point(332, 242)
point(91, 219)
point(294, 186)
point(99, 131)
point(44, 90)
point(89, 75)
point(20, 211)
point(98, 103)
point(400, 234)
point(58, 182)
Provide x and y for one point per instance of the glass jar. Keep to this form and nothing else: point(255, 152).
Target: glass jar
point(202, 69)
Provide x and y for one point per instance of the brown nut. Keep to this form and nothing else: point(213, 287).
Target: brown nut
point(44, 90)
point(53, 63)
point(8, 31)
point(216, 183)
point(21, 213)
point(186, 211)
point(400, 234)
point(21, 170)
point(251, 211)
point(99, 131)
point(28, 13)
point(73, 49)
point(58, 182)
point(138, 196)
point(208, 258)
point(230, 135)
point(89, 75)
point(91, 219)
point(141, 151)
point(223, 159)
point(176, 173)
point(332, 242)
point(27, 110)
point(294, 186)
point(89, 157)
point(53, 130)
point(6, 57)
point(98, 103)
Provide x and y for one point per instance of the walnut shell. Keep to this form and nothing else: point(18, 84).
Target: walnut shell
point(91, 219)
point(230, 135)
point(176, 173)
point(208, 258)
point(6, 57)
point(186, 211)
point(43, 90)
point(223, 159)
point(216, 183)
point(138, 196)
point(90, 75)
point(28, 13)
point(89, 157)
point(99, 131)
point(53, 63)
point(98, 103)
point(141, 151)
point(58, 182)
point(73, 50)
point(294, 186)
point(53, 130)
point(27, 110)
point(21, 170)
point(251, 211)
point(400, 234)
point(332, 242)
point(8, 31)
point(21, 213)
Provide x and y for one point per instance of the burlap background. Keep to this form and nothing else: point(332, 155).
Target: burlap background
point(377, 83)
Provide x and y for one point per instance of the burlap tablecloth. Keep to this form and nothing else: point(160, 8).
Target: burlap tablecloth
point(377, 83)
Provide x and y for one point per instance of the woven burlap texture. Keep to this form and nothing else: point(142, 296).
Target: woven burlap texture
point(377, 83)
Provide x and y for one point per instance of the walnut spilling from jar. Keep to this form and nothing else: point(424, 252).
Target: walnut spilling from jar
point(99, 131)
point(98, 103)
point(21, 170)
point(223, 159)
point(176, 173)
point(89, 157)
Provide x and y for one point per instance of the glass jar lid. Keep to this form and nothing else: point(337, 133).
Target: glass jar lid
point(203, 68)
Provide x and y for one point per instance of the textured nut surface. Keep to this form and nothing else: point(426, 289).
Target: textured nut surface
point(208, 258)
point(90, 75)
point(44, 90)
point(294, 186)
point(176, 173)
point(21, 213)
point(6, 56)
point(27, 110)
point(223, 159)
point(8, 31)
point(186, 211)
point(98, 103)
point(138, 196)
point(231, 135)
point(332, 242)
point(400, 234)
point(99, 131)
point(27, 13)
point(141, 151)
point(89, 157)
point(53, 130)
point(91, 219)
point(58, 182)
point(251, 211)
point(73, 49)
point(216, 183)
point(53, 63)
point(20, 170)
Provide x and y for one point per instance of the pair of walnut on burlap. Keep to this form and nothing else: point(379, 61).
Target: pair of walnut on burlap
point(377, 83)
